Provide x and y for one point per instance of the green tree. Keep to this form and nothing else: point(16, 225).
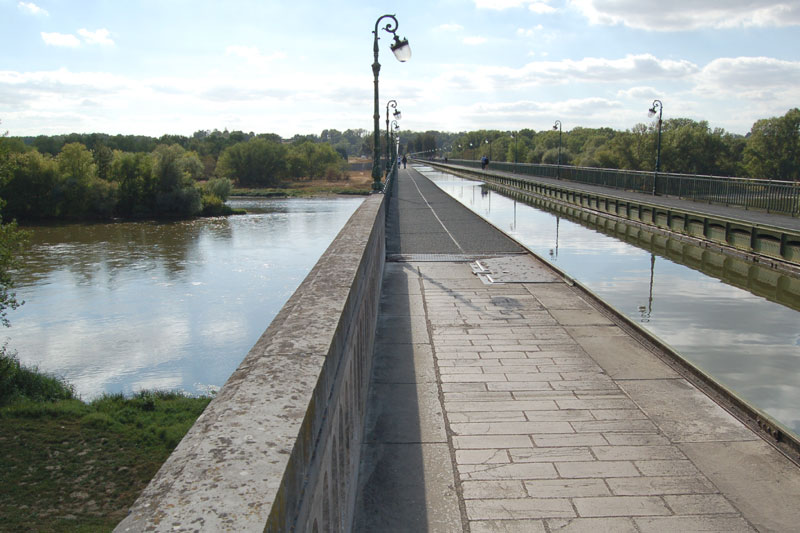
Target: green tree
point(255, 163)
point(773, 148)
point(192, 165)
point(168, 169)
point(103, 157)
point(11, 242)
point(517, 150)
point(177, 194)
point(77, 168)
point(137, 185)
point(31, 187)
point(633, 149)
point(312, 160)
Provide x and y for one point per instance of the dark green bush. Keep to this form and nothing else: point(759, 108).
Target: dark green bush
point(18, 382)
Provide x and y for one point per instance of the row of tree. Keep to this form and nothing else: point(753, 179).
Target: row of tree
point(170, 181)
point(771, 150)
point(207, 144)
point(84, 176)
point(81, 184)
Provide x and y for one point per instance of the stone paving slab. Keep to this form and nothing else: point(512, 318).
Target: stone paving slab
point(553, 419)
point(610, 443)
point(588, 434)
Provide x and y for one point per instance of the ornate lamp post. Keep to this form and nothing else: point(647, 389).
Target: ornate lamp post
point(397, 115)
point(402, 51)
point(657, 105)
point(557, 126)
point(397, 145)
point(490, 149)
point(393, 153)
point(514, 136)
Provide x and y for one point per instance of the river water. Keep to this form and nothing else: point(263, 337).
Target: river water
point(736, 321)
point(164, 305)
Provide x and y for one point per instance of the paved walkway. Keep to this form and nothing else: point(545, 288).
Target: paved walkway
point(521, 407)
point(737, 213)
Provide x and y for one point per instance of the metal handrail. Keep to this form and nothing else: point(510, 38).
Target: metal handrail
point(767, 195)
point(391, 176)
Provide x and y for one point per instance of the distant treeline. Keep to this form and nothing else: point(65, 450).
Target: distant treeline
point(85, 176)
point(97, 176)
point(771, 150)
point(207, 144)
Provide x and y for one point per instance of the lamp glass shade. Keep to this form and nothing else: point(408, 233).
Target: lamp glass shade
point(401, 49)
point(398, 115)
point(651, 112)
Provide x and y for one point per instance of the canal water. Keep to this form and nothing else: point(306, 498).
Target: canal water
point(736, 320)
point(164, 305)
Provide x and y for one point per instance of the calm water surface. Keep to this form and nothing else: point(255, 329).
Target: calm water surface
point(750, 343)
point(176, 305)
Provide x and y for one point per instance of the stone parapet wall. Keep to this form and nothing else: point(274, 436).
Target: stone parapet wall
point(277, 449)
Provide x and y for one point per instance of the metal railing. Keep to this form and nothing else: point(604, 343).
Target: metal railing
point(770, 196)
point(391, 176)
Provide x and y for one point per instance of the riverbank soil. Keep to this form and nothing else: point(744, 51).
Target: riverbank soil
point(72, 466)
point(358, 183)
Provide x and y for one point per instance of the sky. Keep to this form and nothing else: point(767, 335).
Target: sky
point(154, 67)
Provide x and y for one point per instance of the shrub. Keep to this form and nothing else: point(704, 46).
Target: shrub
point(220, 187)
point(184, 202)
point(334, 172)
point(213, 206)
point(18, 382)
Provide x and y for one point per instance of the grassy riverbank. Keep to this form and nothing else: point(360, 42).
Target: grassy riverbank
point(358, 183)
point(68, 465)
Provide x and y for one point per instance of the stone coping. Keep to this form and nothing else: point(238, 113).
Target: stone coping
point(248, 454)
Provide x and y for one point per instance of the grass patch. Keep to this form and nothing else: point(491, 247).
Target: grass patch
point(20, 383)
point(299, 192)
point(358, 183)
point(67, 465)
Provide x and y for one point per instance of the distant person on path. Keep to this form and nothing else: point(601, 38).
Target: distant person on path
point(484, 162)
point(404, 160)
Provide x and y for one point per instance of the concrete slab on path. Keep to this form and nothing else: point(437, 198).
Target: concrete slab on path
point(524, 407)
point(423, 219)
point(564, 425)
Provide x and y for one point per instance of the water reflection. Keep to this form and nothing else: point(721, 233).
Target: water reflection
point(647, 310)
point(125, 306)
point(735, 319)
point(99, 253)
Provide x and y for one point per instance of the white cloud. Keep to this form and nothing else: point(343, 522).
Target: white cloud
point(537, 6)
point(498, 4)
point(474, 40)
point(62, 100)
point(32, 8)
point(528, 114)
point(529, 32)
point(101, 37)
point(450, 27)
point(639, 93)
point(573, 106)
point(60, 39)
point(253, 55)
point(681, 15)
point(541, 8)
point(587, 70)
point(758, 78)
